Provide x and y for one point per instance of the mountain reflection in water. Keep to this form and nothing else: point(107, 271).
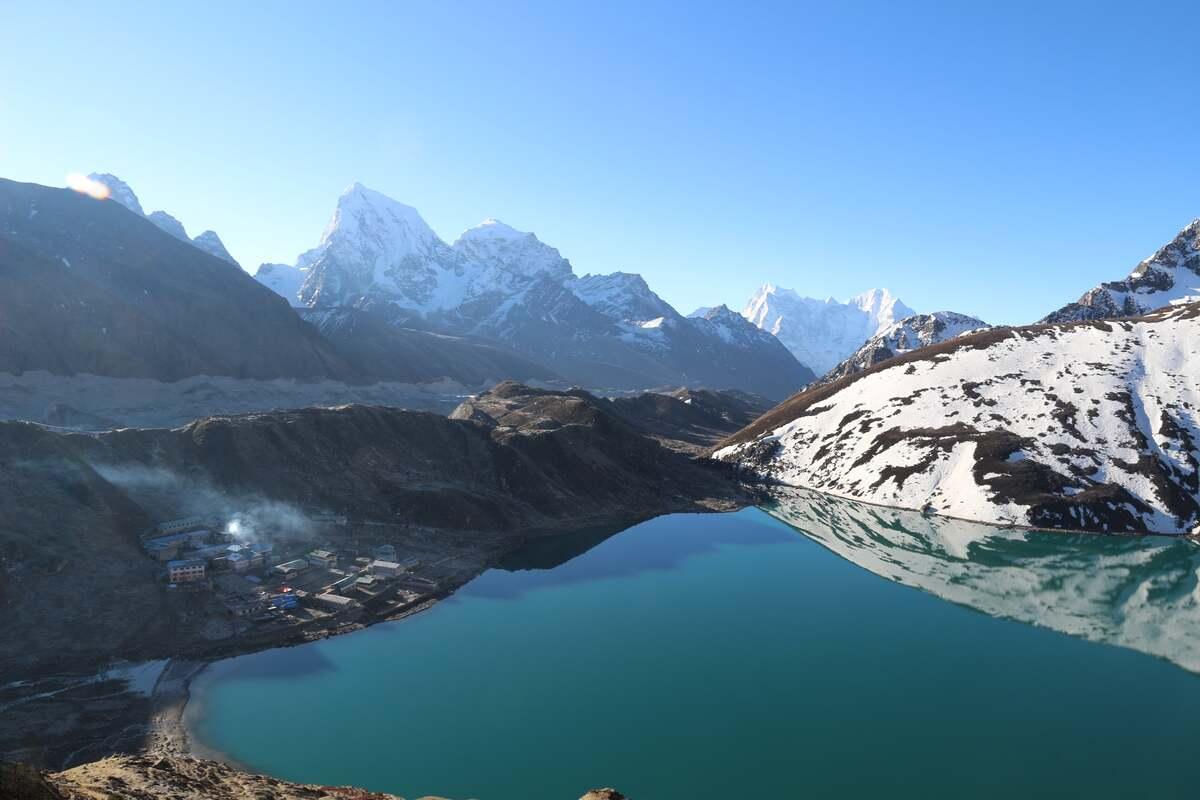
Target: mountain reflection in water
point(1136, 592)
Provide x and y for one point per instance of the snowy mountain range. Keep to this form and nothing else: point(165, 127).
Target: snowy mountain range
point(505, 286)
point(1091, 425)
point(910, 333)
point(822, 333)
point(1170, 276)
point(208, 241)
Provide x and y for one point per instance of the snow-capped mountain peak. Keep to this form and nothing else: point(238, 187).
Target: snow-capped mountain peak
point(623, 296)
point(379, 246)
point(499, 246)
point(367, 219)
point(821, 333)
point(169, 224)
point(119, 190)
point(209, 242)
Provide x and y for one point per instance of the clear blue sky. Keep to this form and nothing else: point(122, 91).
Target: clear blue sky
point(993, 160)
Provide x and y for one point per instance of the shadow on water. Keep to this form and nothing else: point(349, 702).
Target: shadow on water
point(555, 561)
point(292, 662)
point(1137, 592)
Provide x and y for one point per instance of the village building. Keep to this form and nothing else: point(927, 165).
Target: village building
point(334, 601)
point(343, 584)
point(322, 558)
point(294, 567)
point(186, 570)
point(386, 552)
point(388, 569)
point(182, 525)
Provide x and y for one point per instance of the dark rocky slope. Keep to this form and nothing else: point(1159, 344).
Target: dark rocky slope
point(77, 587)
point(384, 348)
point(91, 287)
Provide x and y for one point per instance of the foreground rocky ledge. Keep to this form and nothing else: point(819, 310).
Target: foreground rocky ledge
point(147, 777)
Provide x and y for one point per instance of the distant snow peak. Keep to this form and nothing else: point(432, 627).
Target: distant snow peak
point(209, 242)
point(283, 279)
point(821, 333)
point(493, 228)
point(623, 296)
point(118, 190)
point(498, 246)
point(169, 224)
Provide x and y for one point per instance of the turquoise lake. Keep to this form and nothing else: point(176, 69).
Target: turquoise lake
point(814, 647)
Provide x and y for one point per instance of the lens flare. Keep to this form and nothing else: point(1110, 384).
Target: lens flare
point(85, 185)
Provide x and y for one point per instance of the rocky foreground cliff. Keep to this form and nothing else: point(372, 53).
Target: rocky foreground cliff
point(154, 777)
point(1090, 425)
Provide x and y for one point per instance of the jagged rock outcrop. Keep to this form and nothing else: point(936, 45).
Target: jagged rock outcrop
point(910, 333)
point(1171, 275)
point(118, 190)
point(91, 288)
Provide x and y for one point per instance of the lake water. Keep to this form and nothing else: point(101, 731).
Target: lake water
point(812, 648)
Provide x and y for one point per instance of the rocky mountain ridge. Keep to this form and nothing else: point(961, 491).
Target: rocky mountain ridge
point(1170, 276)
point(93, 288)
point(208, 241)
point(910, 333)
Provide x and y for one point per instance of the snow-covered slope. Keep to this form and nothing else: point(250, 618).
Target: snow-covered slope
point(121, 192)
point(1120, 590)
point(822, 333)
point(1092, 425)
point(910, 333)
point(1170, 276)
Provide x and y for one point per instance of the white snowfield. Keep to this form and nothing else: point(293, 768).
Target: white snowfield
point(1130, 592)
point(1089, 426)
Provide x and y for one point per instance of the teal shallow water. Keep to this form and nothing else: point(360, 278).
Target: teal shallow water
point(727, 656)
